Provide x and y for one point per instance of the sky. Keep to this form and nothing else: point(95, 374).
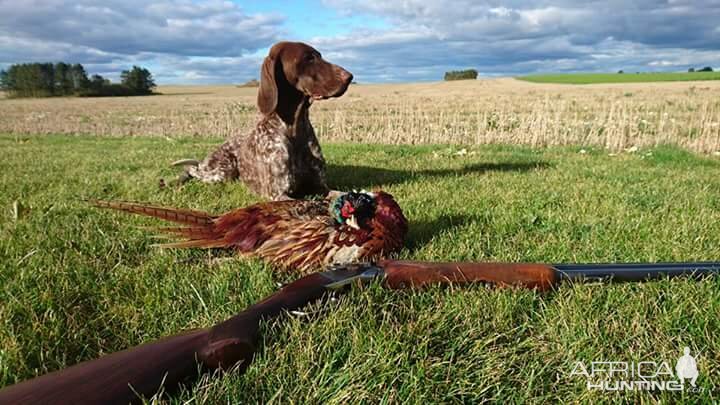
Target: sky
point(223, 41)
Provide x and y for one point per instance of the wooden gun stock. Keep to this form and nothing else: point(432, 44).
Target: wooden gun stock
point(406, 274)
point(130, 375)
point(115, 378)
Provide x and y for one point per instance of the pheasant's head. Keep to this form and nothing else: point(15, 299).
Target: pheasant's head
point(354, 209)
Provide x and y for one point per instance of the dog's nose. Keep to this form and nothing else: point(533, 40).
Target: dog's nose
point(346, 76)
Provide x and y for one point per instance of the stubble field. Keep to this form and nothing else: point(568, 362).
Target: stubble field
point(611, 116)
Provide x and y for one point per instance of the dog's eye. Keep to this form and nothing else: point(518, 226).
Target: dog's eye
point(310, 57)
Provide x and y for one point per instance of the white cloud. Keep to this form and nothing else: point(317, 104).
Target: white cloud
point(112, 35)
point(515, 37)
point(133, 26)
point(218, 41)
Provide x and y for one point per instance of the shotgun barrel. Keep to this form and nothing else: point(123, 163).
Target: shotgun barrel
point(140, 372)
point(633, 271)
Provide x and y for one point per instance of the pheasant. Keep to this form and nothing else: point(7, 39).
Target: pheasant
point(299, 235)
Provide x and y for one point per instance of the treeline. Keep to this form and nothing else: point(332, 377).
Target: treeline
point(461, 74)
point(705, 69)
point(63, 79)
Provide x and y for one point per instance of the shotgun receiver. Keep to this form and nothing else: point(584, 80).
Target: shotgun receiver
point(138, 372)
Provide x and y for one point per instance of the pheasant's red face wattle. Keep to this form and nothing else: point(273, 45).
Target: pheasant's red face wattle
point(347, 210)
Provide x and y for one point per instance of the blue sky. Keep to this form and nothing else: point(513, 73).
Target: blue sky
point(221, 41)
point(305, 20)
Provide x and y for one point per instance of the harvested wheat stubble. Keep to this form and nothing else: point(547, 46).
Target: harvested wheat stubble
point(612, 116)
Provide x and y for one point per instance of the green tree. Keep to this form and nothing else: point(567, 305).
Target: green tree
point(97, 82)
point(5, 83)
point(469, 74)
point(10, 81)
point(139, 80)
point(79, 78)
point(63, 79)
point(46, 79)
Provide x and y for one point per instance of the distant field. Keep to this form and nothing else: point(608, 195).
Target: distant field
point(466, 112)
point(592, 78)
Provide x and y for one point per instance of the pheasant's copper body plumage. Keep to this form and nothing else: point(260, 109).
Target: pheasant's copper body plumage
point(298, 235)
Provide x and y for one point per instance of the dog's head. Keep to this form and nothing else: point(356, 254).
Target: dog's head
point(293, 71)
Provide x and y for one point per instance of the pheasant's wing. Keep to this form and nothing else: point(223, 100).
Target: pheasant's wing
point(310, 244)
point(303, 247)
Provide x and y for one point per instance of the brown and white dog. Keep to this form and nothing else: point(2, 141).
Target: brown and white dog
point(281, 158)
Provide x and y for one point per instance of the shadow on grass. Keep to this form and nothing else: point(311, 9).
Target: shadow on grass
point(422, 232)
point(348, 177)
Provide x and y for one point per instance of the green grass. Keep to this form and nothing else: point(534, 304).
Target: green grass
point(628, 77)
point(78, 282)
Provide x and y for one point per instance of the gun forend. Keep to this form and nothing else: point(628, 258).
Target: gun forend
point(406, 274)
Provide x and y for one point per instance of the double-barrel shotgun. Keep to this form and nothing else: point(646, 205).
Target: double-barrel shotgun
point(140, 372)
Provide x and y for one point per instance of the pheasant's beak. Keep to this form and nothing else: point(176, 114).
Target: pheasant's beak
point(352, 222)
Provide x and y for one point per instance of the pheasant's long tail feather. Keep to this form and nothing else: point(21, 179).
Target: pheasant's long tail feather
point(195, 243)
point(200, 231)
point(181, 216)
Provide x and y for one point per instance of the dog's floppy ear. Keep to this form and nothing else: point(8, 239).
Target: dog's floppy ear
point(268, 93)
